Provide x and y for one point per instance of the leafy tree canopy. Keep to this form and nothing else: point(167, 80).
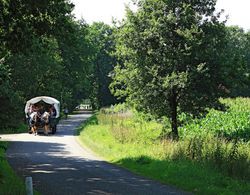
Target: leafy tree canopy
point(43, 51)
point(101, 37)
point(236, 58)
point(171, 57)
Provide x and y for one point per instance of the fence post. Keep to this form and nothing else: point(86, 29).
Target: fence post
point(29, 185)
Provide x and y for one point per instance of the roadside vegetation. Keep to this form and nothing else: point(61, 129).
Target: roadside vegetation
point(212, 155)
point(10, 183)
point(21, 128)
point(61, 57)
point(170, 59)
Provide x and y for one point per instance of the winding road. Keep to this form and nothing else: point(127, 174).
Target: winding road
point(59, 165)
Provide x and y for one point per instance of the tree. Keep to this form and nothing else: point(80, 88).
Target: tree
point(29, 31)
point(9, 98)
point(101, 37)
point(38, 70)
point(75, 53)
point(171, 58)
point(22, 20)
point(43, 51)
point(236, 57)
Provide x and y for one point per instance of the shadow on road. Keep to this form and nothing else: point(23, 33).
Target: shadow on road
point(60, 166)
point(54, 171)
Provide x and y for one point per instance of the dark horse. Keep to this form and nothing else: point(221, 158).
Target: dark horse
point(40, 120)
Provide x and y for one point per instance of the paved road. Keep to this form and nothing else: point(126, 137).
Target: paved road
point(59, 165)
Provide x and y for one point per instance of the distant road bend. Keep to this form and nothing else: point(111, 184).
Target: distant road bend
point(59, 165)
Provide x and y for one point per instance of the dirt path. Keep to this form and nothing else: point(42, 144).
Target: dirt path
point(59, 165)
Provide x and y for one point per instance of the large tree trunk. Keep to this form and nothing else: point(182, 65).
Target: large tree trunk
point(173, 106)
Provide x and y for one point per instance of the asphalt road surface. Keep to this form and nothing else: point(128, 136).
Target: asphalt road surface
point(59, 165)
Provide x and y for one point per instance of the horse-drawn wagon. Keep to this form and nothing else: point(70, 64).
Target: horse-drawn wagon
point(42, 114)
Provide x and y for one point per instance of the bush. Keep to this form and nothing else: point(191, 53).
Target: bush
point(233, 124)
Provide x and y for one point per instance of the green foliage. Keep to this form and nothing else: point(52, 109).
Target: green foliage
point(236, 59)
point(9, 182)
point(22, 21)
point(231, 124)
point(169, 54)
point(118, 108)
point(38, 70)
point(16, 128)
point(202, 161)
point(101, 37)
point(128, 129)
point(43, 52)
point(3, 146)
point(9, 98)
point(230, 158)
point(74, 79)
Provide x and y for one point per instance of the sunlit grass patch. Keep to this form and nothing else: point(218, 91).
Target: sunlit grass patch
point(206, 160)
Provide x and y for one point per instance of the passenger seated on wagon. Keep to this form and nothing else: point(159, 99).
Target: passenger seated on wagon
point(52, 111)
point(32, 108)
point(32, 111)
point(31, 114)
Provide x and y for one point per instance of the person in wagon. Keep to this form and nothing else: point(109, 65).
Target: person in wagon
point(32, 111)
point(52, 111)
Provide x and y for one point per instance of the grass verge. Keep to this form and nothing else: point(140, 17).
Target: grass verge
point(204, 164)
point(10, 183)
point(21, 128)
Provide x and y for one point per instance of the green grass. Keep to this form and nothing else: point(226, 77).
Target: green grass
point(21, 128)
point(210, 158)
point(10, 184)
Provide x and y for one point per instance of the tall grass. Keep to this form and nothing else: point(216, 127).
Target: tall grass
point(231, 157)
point(127, 129)
point(217, 145)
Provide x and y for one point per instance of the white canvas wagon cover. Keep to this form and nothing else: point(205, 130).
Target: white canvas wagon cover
point(46, 99)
